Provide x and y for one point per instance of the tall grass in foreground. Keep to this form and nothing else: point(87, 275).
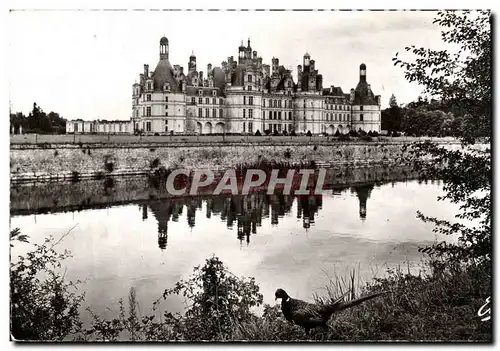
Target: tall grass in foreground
point(438, 305)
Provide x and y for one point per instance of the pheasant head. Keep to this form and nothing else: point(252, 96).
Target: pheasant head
point(281, 294)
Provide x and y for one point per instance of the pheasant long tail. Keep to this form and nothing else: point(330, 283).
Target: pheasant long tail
point(343, 305)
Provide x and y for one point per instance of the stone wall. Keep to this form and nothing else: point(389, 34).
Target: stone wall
point(66, 161)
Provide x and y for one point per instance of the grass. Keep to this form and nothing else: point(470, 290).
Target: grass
point(46, 140)
point(440, 305)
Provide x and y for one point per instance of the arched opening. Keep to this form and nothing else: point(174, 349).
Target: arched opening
point(330, 130)
point(198, 128)
point(219, 128)
point(340, 128)
point(208, 128)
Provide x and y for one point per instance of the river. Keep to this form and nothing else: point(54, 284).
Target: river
point(295, 243)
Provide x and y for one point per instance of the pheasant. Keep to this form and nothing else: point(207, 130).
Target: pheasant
point(309, 315)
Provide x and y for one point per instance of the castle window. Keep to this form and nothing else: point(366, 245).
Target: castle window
point(270, 114)
point(207, 112)
point(250, 127)
point(200, 100)
point(244, 125)
point(148, 111)
point(250, 113)
point(275, 115)
point(290, 116)
point(207, 101)
point(166, 106)
point(249, 78)
point(279, 115)
point(200, 92)
point(221, 102)
point(250, 100)
point(149, 85)
point(244, 100)
point(148, 126)
point(166, 98)
point(220, 113)
point(214, 93)
point(361, 108)
point(249, 88)
point(166, 114)
point(193, 100)
point(200, 112)
point(279, 103)
point(214, 113)
point(148, 97)
point(263, 102)
point(214, 101)
point(361, 117)
point(166, 87)
point(289, 84)
point(244, 113)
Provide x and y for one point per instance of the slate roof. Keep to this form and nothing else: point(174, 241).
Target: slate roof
point(164, 73)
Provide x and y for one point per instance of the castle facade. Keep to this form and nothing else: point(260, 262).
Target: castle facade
point(243, 96)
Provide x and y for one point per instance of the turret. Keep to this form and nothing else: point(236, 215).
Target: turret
point(307, 58)
point(192, 63)
point(362, 72)
point(164, 48)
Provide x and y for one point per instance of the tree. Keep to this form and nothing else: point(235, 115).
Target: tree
point(392, 101)
point(462, 80)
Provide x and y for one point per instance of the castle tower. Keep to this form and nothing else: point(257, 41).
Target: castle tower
point(307, 58)
point(362, 72)
point(192, 63)
point(275, 62)
point(164, 48)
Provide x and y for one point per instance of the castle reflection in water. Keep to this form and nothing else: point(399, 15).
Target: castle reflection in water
point(244, 212)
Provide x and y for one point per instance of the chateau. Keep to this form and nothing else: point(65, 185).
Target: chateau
point(241, 96)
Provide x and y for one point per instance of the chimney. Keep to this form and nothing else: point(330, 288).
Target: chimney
point(209, 69)
point(200, 75)
point(254, 54)
point(181, 70)
point(312, 65)
point(146, 71)
point(299, 74)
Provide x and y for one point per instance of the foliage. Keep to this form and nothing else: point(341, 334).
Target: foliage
point(217, 299)
point(38, 122)
point(308, 133)
point(257, 133)
point(43, 305)
point(462, 79)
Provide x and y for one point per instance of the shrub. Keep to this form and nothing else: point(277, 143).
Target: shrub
point(285, 133)
point(396, 134)
point(344, 137)
point(219, 301)
point(292, 133)
point(308, 133)
point(353, 133)
point(287, 153)
point(257, 133)
point(267, 131)
point(337, 133)
point(43, 306)
point(361, 132)
point(366, 138)
point(275, 133)
point(154, 163)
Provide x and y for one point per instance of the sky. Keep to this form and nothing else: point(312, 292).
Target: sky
point(82, 64)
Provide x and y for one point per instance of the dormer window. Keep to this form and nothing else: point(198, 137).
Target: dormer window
point(214, 92)
point(150, 86)
point(200, 92)
point(166, 87)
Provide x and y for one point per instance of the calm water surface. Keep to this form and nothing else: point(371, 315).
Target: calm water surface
point(296, 243)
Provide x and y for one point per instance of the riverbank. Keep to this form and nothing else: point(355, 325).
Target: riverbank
point(41, 162)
